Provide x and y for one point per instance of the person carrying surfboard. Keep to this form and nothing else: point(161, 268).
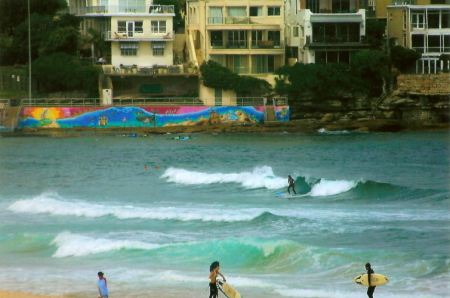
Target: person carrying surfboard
point(213, 272)
point(371, 289)
point(291, 183)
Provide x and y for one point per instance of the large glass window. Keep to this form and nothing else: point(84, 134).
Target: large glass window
point(215, 15)
point(313, 5)
point(273, 11)
point(418, 42)
point(256, 11)
point(418, 20)
point(237, 12)
point(434, 43)
point(217, 38)
point(237, 38)
point(336, 32)
point(158, 27)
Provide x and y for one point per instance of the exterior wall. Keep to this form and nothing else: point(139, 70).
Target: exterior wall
point(425, 84)
point(429, 36)
point(157, 116)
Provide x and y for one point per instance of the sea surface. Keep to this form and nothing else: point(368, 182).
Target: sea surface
point(153, 213)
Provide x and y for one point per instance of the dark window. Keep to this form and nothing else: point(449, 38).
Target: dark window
point(273, 11)
point(217, 38)
point(433, 19)
point(434, 42)
point(418, 42)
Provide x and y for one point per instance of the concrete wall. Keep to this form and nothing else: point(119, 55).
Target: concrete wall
point(156, 116)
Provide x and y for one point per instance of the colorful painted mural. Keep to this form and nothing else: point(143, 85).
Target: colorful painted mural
point(104, 117)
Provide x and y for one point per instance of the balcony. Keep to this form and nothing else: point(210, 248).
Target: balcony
point(139, 36)
point(120, 9)
point(244, 44)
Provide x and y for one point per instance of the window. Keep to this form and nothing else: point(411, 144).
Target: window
point(158, 26)
point(295, 31)
point(215, 15)
point(418, 42)
point(405, 17)
point(128, 48)
point(139, 27)
point(237, 12)
point(273, 11)
point(418, 20)
point(405, 44)
point(121, 26)
point(434, 43)
point(256, 11)
point(158, 48)
point(237, 38)
point(217, 38)
point(130, 27)
point(312, 5)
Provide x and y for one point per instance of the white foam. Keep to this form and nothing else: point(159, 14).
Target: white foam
point(260, 177)
point(329, 188)
point(78, 208)
point(78, 245)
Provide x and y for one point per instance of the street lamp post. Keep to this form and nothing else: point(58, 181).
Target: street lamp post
point(29, 52)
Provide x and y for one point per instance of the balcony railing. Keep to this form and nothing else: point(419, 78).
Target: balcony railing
point(230, 20)
point(244, 44)
point(353, 38)
point(115, 9)
point(135, 36)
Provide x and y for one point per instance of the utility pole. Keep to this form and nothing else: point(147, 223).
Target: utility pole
point(29, 52)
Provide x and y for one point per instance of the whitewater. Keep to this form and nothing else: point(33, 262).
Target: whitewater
point(153, 214)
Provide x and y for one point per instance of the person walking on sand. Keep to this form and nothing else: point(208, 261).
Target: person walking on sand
point(213, 272)
point(102, 287)
point(371, 289)
point(291, 183)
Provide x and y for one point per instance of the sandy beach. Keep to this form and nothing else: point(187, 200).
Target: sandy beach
point(6, 294)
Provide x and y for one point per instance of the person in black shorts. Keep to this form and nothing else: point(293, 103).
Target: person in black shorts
point(291, 183)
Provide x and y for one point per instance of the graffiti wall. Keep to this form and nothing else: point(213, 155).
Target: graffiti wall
point(105, 117)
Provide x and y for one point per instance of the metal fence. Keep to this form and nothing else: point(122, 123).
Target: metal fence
point(61, 102)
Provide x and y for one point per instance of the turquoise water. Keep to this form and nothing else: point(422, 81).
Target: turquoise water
point(70, 207)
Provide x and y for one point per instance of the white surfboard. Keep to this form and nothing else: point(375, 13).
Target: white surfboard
point(375, 279)
point(228, 290)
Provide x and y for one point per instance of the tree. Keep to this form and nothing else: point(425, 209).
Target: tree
point(62, 39)
point(63, 72)
point(178, 20)
point(375, 30)
point(217, 76)
point(14, 25)
point(404, 59)
point(320, 81)
point(372, 67)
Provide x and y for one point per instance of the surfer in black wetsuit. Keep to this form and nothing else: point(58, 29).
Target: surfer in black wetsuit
point(291, 183)
point(213, 272)
point(371, 289)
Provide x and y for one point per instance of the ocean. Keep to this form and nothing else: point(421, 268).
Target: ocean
point(153, 213)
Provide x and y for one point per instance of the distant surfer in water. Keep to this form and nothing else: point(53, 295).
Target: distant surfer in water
point(213, 272)
point(371, 289)
point(291, 183)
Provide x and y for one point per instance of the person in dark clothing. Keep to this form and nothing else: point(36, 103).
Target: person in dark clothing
point(213, 273)
point(371, 289)
point(291, 183)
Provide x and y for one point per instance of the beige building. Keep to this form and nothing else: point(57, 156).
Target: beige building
point(245, 36)
point(424, 28)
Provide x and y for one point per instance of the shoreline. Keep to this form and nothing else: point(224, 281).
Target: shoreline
point(294, 126)
point(11, 294)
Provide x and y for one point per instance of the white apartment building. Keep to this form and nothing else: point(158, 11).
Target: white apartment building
point(424, 28)
point(141, 34)
point(324, 31)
